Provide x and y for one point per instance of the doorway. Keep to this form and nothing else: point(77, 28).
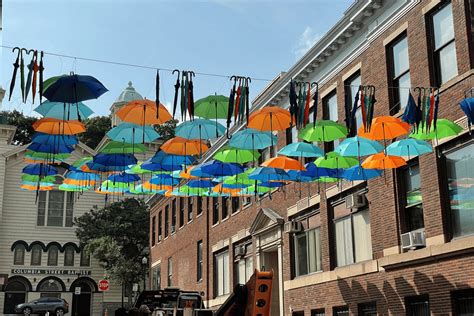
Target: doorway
point(270, 262)
point(15, 293)
point(81, 303)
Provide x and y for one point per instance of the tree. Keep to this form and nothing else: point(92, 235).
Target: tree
point(96, 127)
point(117, 236)
point(166, 130)
point(24, 128)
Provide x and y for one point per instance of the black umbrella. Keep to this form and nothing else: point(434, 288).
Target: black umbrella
point(315, 103)
point(157, 90)
point(22, 73)
point(16, 64)
point(293, 101)
point(247, 102)
point(191, 94)
point(35, 72)
point(41, 83)
point(176, 89)
point(30, 74)
point(231, 104)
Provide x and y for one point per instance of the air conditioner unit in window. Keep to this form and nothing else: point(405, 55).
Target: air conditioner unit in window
point(414, 239)
point(240, 251)
point(293, 227)
point(356, 200)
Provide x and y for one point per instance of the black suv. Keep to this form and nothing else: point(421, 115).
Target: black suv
point(56, 306)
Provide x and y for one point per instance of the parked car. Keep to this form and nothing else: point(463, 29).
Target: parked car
point(53, 305)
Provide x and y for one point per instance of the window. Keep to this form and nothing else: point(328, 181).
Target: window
point(235, 204)
point(19, 255)
point(443, 46)
point(330, 113)
point(156, 277)
point(367, 309)
point(417, 305)
point(55, 208)
point(181, 211)
point(85, 258)
point(298, 313)
point(160, 230)
point(167, 211)
point(69, 256)
point(173, 216)
point(399, 73)
point(246, 200)
point(243, 263)
point(225, 207)
point(412, 197)
point(318, 312)
point(199, 261)
point(153, 231)
point(53, 256)
point(460, 181)
point(36, 255)
point(199, 205)
point(307, 254)
point(190, 208)
point(215, 210)
point(170, 271)
point(463, 302)
point(221, 273)
point(340, 311)
point(291, 135)
point(353, 238)
point(351, 89)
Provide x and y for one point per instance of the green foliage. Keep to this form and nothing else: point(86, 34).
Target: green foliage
point(24, 128)
point(166, 130)
point(117, 236)
point(96, 127)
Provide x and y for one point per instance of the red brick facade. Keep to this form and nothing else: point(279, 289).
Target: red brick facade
point(442, 267)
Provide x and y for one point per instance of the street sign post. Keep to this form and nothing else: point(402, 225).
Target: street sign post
point(77, 290)
point(104, 285)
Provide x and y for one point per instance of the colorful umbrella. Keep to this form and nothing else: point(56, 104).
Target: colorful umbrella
point(323, 131)
point(212, 107)
point(252, 139)
point(164, 179)
point(467, 105)
point(115, 147)
point(143, 112)
point(169, 159)
point(132, 133)
point(268, 174)
point(236, 155)
point(270, 118)
point(122, 160)
point(357, 173)
point(385, 127)
point(182, 146)
point(74, 88)
point(301, 149)
point(284, 163)
point(52, 149)
point(40, 169)
point(217, 168)
point(409, 147)
point(333, 160)
point(444, 128)
point(36, 178)
point(200, 129)
point(64, 111)
point(383, 161)
point(54, 139)
point(199, 183)
point(358, 146)
point(58, 127)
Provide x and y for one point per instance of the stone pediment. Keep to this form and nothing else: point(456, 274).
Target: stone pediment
point(265, 218)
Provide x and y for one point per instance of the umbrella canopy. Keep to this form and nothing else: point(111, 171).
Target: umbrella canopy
point(212, 107)
point(444, 128)
point(40, 169)
point(268, 174)
point(358, 146)
point(191, 191)
point(239, 179)
point(35, 187)
point(284, 163)
point(73, 188)
point(132, 133)
point(45, 156)
point(115, 147)
point(270, 118)
point(54, 139)
point(467, 105)
point(200, 129)
point(161, 180)
point(236, 155)
point(357, 173)
point(52, 149)
point(199, 183)
point(218, 169)
point(382, 161)
point(252, 139)
point(301, 149)
point(333, 160)
point(36, 178)
point(64, 111)
point(74, 88)
point(58, 127)
point(252, 190)
point(82, 176)
point(271, 184)
point(169, 159)
point(197, 171)
point(182, 146)
point(409, 147)
point(115, 159)
point(123, 177)
point(323, 131)
point(385, 127)
point(143, 112)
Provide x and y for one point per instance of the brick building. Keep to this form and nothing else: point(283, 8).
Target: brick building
point(339, 260)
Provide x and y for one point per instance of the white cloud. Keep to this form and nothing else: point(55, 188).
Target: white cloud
point(307, 39)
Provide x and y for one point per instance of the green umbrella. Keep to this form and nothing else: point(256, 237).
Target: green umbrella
point(323, 131)
point(115, 147)
point(192, 191)
point(242, 178)
point(333, 160)
point(229, 154)
point(35, 178)
point(327, 180)
point(43, 155)
point(259, 189)
point(212, 107)
point(444, 128)
point(109, 184)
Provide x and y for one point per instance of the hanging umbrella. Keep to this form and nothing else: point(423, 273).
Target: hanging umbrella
point(200, 129)
point(182, 146)
point(51, 149)
point(252, 190)
point(467, 105)
point(122, 160)
point(82, 176)
point(358, 146)
point(357, 173)
point(136, 169)
point(301, 149)
point(143, 112)
point(36, 178)
point(132, 133)
point(270, 118)
point(54, 139)
point(40, 169)
point(268, 174)
point(236, 155)
point(199, 173)
point(385, 127)
point(163, 179)
point(323, 131)
point(58, 127)
point(73, 188)
point(409, 147)
point(382, 161)
point(217, 168)
point(169, 159)
point(115, 147)
point(200, 183)
point(334, 160)
point(46, 156)
point(191, 191)
point(252, 139)
point(123, 177)
point(74, 88)
point(155, 187)
point(284, 163)
point(64, 111)
point(76, 165)
point(212, 107)
point(271, 184)
point(36, 187)
point(444, 128)
point(239, 179)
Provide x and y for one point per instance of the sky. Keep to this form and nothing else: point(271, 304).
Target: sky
point(256, 38)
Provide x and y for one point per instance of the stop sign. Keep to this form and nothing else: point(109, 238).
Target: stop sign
point(104, 285)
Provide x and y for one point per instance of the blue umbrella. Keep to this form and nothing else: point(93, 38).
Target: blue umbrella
point(54, 139)
point(252, 139)
point(104, 168)
point(411, 111)
point(235, 185)
point(40, 169)
point(164, 180)
point(196, 171)
point(271, 184)
point(74, 88)
point(64, 111)
point(201, 184)
point(268, 174)
point(358, 146)
point(82, 176)
point(301, 149)
point(409, 147)
point(154, 167)
point(115, 160)
point(218, 169)
point(52, 149)
point(200, 129)
point(467, 105)
point(133, 133)
point(170, 159)
point(123, 177)
point(357, 173)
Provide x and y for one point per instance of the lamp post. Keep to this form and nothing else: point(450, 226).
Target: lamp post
point(145, 266)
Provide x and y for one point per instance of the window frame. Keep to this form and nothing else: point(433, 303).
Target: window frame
point(153, 231)
point(170, 271)
point(245, 259)
point(199, 261)
point(160, 229)
point(225, 273)
point(296, 252)
point(235, 204)
point(173, 216)
point(167, 213)
point(190, 208)
point(67, 221)
point(199, 208)
point(215, 210)
point(395, 105)
point(19, 247)
point(361, 308)
point(51, 262)
point(338, 310)
point(85, 259)
point(350, 101)
point(37, 262)
point(329, 146)
point(68, 263)
point(225, 207)
point(181, 211)
point(461, 295)
point(417, 299)
point(403, 195)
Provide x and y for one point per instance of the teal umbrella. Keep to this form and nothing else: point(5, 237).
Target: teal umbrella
point(64, 111)
point(301, 149)
point(200, 129)
point(252, 139)
point(358, 146)
point(409, 147)
point(132, 133)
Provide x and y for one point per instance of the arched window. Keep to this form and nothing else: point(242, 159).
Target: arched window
point(51, 287)
point(69, 256)
point(19, 255)
point(53, 256)
point(85, 259)
point(36, 255)
point(55, 207)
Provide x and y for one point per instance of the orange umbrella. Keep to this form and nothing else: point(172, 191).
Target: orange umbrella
point(58, 127)
point(270, 118)
point(36, 188)
point(283, 162)
point(385, 127)
point(79, 182)
point(155, 187)
point(186, 174)
point(382, 161)
point(182, 146)
point(143, 112)
point(219, 189)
